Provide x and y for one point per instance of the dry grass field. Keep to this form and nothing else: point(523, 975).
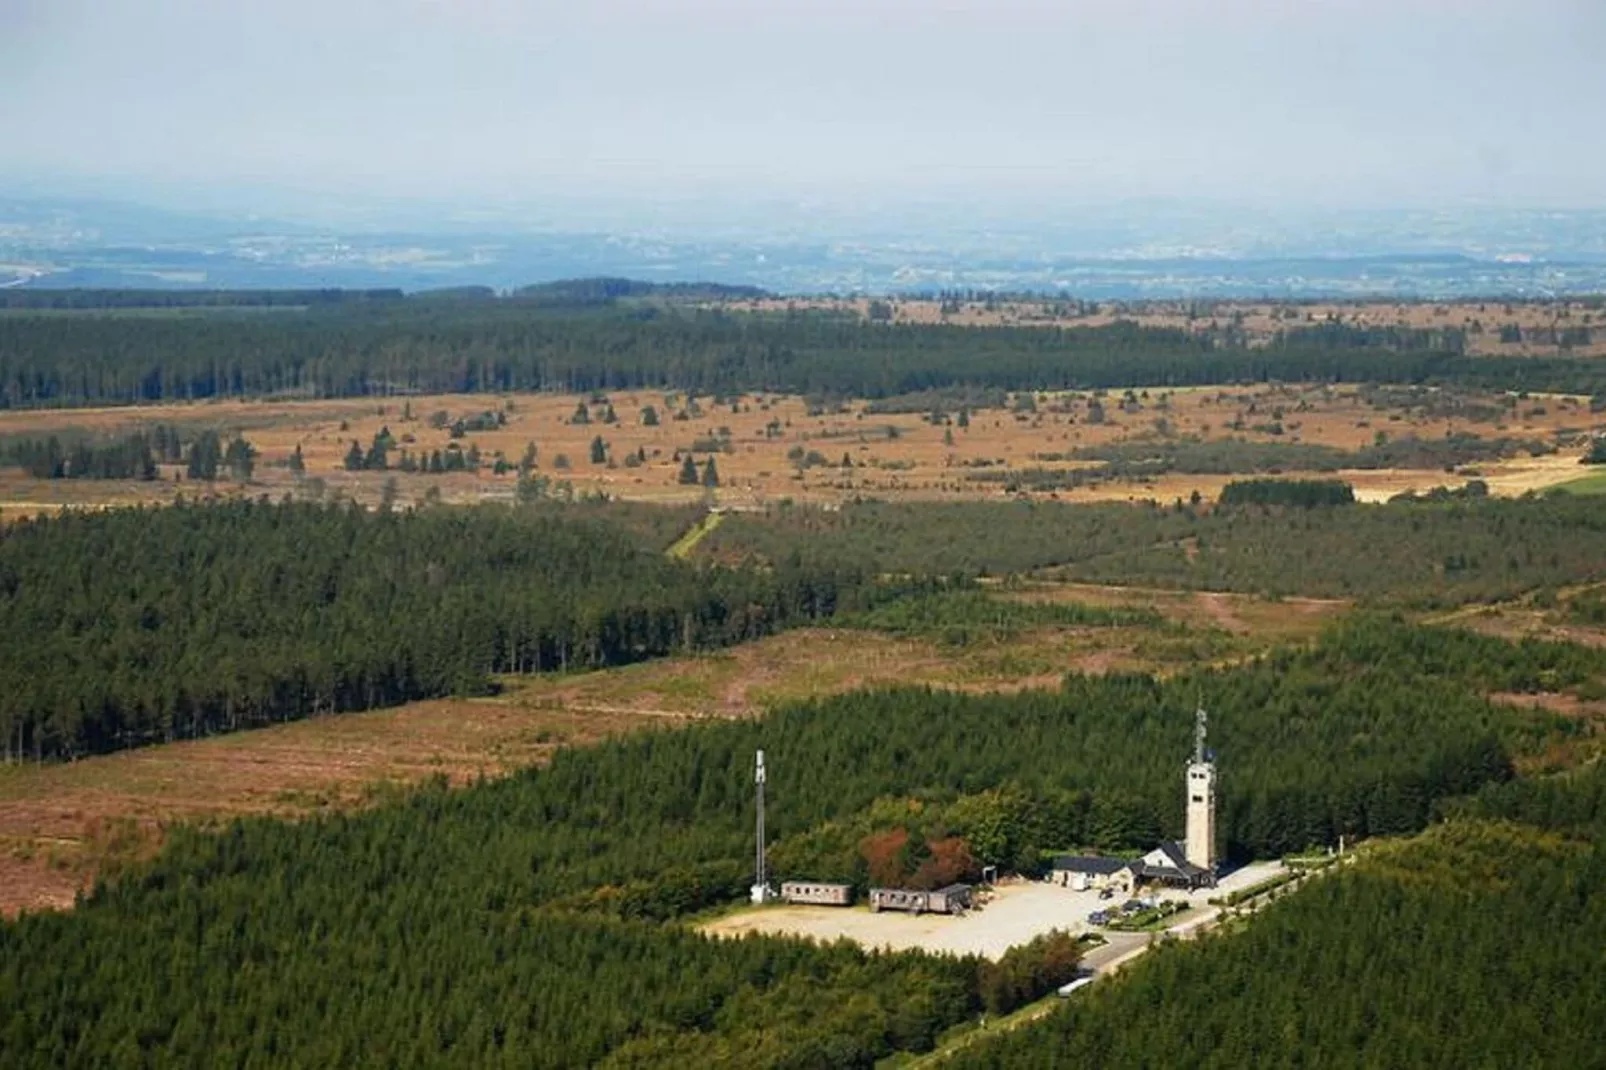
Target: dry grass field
point(61, 824)
point(1539, 323)
point(771, 448)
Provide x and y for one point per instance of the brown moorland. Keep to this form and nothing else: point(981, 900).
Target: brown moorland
point(769, 448)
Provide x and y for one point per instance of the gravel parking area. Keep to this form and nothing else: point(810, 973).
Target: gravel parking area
point(1015, 912)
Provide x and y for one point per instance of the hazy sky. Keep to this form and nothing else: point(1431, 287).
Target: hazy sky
point(1342, 102)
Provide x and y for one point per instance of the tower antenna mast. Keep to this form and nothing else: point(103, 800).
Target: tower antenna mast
point(1200, 846)
point(761, 886)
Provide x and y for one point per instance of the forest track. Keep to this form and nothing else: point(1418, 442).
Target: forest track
point(683, 546)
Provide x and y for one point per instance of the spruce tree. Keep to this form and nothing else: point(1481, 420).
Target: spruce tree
point(688, 472)
point(240, 458)
point(205, 453)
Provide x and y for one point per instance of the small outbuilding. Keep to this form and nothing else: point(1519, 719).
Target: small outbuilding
point(818, 893)
point(954, 899)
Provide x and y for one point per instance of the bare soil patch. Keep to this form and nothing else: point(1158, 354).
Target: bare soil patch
point(61, 824)
point(1266, 620)
point(1519, 621)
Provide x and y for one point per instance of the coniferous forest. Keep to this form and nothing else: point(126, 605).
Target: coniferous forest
point(1479, 944)
point(386, 345)
point(1421, 553)
point(529, 921)
point(156, 624)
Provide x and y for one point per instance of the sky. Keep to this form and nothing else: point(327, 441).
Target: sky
point(1301, 103)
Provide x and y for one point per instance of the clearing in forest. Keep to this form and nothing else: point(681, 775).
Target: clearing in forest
point(1010, 914)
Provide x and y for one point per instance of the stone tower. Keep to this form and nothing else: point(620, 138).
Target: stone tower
point(1200, 846)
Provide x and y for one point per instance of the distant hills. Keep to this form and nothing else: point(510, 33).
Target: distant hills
point(606, 290)
point(1130, 252)
point(561, 293)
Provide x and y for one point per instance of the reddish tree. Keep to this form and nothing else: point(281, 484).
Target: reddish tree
point(886, 854)
point(950, 860)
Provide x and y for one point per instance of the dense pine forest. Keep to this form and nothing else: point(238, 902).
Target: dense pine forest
point(1479, 944)
point(144, 625)
point(516, 922)
point(1422, 553)
point(378, 345)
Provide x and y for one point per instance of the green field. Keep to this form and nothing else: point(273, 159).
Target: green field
point(1594, 483)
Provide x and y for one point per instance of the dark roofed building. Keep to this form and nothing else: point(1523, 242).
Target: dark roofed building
point(1081, 872)
point(1168, 864)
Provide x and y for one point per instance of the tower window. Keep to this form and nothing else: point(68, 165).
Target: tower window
point(1198, 798)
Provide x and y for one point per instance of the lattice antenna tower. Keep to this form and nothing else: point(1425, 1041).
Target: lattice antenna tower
point(1201, 721)
point(761, 886)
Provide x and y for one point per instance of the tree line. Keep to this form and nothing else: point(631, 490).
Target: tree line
point(134, 456)
point(383, 346)
point(1137, 460)
point(1295, 493)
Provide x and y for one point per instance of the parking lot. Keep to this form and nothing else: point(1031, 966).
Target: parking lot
point(1014, 913)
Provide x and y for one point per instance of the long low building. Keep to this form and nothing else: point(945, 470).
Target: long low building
point(1167, 864)
point(954, 899)
point(819, 893)
point(1083, 872)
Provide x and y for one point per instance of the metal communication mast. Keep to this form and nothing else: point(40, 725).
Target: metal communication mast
point(761, 886)
point(1200, 718)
